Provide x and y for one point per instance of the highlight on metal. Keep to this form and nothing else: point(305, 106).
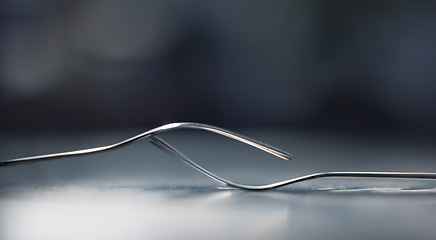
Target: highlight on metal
point(165, 146)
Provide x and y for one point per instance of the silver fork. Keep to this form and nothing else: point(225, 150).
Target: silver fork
point(238, 137)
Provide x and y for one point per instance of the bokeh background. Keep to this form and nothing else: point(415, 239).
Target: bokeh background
point(335, 64)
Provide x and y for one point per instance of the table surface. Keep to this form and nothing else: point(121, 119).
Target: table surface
point(140, 192)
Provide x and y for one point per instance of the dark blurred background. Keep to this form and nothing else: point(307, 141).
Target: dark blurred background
point(335, 64)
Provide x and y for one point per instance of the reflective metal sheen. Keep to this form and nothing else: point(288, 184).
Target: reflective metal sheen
point(254, 143)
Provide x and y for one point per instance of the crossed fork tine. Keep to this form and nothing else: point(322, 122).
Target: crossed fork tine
point(254, 143)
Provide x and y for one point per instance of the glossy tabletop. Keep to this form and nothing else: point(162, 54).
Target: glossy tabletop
point(140, 192)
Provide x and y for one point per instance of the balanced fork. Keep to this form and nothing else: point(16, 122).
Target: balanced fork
point(159, 142)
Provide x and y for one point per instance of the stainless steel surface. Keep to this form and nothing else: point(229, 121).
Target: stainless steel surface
point(173, 151)
point(172, 126)
point(138, 192)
